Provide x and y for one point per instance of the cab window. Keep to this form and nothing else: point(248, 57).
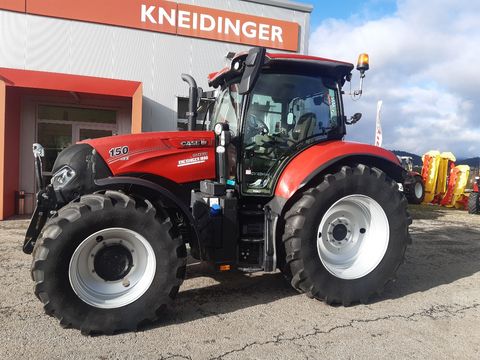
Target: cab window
point(285, 113)
point(227, 108)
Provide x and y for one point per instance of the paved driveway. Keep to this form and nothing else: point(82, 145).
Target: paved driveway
point(432, 311)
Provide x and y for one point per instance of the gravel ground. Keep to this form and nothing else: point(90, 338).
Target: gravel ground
point(431, 312)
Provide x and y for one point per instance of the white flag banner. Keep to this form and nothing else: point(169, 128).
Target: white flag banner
point(378, 127)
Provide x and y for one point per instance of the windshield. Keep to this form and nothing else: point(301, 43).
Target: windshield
point(285, 112)
point(227, 108)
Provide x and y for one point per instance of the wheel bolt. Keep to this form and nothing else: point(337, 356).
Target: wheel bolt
point(99, 238)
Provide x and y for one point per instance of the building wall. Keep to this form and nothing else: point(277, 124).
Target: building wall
point(156, 59)
point(12, 155)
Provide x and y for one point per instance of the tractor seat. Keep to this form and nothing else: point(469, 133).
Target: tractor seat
point(305, 126)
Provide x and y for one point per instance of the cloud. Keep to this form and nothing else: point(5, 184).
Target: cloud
point(423, 65)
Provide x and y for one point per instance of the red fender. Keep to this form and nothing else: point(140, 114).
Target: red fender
point(315, 158)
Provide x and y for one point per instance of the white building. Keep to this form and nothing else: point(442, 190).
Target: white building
point(73, 69)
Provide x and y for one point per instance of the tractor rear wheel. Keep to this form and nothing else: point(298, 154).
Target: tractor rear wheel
point(474, 203)
point(108, 263)
point(345, 239)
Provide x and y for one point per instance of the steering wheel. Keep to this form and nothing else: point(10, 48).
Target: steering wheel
point(257, 125)
point(270, 147)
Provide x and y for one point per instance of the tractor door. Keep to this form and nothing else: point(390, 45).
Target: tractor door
point(286, 113)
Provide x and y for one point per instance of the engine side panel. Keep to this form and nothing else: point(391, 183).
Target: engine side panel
point(180, 156)
point(299, 170)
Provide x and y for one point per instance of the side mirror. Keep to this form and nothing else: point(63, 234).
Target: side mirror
point(354, 119)
point(290, 119)
point(253, 65)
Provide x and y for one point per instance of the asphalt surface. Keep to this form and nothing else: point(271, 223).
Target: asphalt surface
point(431, 312)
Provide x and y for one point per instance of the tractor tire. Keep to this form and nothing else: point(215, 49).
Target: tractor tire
point(415, 191)
point(474, 203)
point(345, 238)
point(108, 263)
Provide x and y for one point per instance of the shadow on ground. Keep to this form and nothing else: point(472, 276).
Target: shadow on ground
point(438, 256)
point(234, 291)
point(427, 212)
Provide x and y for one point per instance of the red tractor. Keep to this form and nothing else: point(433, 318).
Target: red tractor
point(413, 186)
point(267, 184)
point(474, 198)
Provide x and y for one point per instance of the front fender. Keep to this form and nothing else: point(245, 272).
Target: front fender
point(313, 161)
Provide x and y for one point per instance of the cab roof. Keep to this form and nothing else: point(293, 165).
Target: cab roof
point(291, 63)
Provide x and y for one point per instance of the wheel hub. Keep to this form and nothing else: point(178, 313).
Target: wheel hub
point(113, 262)
point(339, 232)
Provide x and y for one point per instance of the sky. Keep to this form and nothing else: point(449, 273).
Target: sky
point(423, 66)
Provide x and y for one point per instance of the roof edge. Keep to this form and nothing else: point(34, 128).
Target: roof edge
point(286, 4)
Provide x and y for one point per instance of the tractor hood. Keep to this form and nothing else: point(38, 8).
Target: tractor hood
point(180, 156)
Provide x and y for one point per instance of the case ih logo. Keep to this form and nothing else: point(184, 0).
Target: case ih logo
point(171, 17)
point(194, 143)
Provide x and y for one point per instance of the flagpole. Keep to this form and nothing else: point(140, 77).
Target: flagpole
point(378, 125)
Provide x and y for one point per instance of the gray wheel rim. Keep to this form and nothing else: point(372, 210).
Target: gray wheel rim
point(353, 237)
point(97, 292)
point(418, 190)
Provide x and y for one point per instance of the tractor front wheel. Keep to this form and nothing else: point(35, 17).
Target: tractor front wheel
point(345, 239)
point(108, 263)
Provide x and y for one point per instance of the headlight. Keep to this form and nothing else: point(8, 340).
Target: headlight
point(218, 129)
point(62, 177)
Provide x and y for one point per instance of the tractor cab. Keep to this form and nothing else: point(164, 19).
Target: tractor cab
point(273, 112)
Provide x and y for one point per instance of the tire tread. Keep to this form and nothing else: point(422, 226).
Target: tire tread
point(75, 211)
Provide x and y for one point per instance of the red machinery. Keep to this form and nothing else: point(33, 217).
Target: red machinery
point(267, 184)
point(474, 198)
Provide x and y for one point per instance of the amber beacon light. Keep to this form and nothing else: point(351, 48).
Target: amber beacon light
point(363, 63)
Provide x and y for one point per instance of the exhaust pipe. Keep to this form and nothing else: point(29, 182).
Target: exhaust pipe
point(192, 101)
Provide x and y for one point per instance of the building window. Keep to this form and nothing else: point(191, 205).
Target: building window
point(64, 113)
point(60, 126)
point(203, 115)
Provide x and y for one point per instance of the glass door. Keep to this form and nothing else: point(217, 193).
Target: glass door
point(89, 133)
point(54, 138)
point(60, 126)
